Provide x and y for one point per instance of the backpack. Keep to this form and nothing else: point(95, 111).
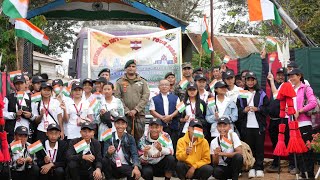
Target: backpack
point(248, 159)
point(314, 113)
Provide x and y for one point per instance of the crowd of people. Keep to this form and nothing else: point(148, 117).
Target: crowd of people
point(98, 131)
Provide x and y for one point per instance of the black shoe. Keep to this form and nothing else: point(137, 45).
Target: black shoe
point(272, 169)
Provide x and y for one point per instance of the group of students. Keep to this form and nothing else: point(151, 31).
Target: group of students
point(98, 129)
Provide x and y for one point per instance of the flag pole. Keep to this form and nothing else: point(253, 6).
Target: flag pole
point(212, 39)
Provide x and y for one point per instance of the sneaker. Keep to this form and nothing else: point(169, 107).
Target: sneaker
point(294, 171)
point(272, 169)
point(252, 173)
point(259, 173)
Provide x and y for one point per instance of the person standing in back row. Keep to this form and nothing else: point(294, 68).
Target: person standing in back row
point(133, 90)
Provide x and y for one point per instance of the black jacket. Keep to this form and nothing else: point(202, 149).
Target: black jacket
point(61, 158)
point(95, 149)
point(261, 114)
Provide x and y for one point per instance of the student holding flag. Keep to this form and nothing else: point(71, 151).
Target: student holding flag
point(180, 89)
point(17, 108)
point(233, 90)
point(52, 160)
point(193, 154)
point(226, 152)
point(201, 82)
point(84, 155)
point(22, 160)
point(78, 111)
point(156, 152)
point(222, 106)
point(120, 152)
point(47, 111)
point(36, 84)
point(87, 89)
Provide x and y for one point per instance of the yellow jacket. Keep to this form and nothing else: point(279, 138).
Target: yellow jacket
point(200, 154)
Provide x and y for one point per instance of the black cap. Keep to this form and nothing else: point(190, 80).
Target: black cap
point(280, 70)
point(45, 85)
point(293, 64)
point(123, 118)
point(87, 80)
point(53, 126)
point(228, 74)
point(19, 78)
point(251, 75)
point(195, 123)
point(225, 120)
point(104, 70)
point(186, 65)
point(192, 86)
point(155, 121)
point(128, 63)
point(76, 85)
point(199, 77)
point(87, 125)
point(100, 79)
point(169, 74)
point(57, 81)
point(198, 69)
point(37, 79)
point(220, 84)
point(21, 130)
point(295, 71)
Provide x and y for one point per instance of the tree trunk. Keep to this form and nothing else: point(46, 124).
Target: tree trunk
point(19, 53)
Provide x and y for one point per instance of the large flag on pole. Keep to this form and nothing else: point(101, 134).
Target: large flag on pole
point(205, 39)
point(15, 8)
point(260, 10)
point(27, 30)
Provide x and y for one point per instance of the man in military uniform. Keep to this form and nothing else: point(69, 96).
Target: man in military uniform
point(187, 74)
point(134, 92)
point(105, 73)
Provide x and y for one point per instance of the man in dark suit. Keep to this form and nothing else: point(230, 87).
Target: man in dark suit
point(84, 155)
point(53, 160)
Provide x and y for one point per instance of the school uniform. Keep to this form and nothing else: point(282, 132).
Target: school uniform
point(57, 155)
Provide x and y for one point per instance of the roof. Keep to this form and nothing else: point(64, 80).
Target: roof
point(122, 10)
point(44, 58)
point(234, 45)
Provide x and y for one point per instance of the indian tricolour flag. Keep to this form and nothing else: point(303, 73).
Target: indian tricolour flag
point(80, 146)
point(226, 59)
point(106, 135)
point(226, 143)
point(244, 93)
point(94, 104)
point(15, 8)
point(263, 10)
point(181, 107)
point(164, 140)
point(211, 85)
point(45, 42)
point(27, 30)
point(16, 146)
point(14, 73)
point(66, 91)
point(198, 132)
point(211, 102)
point(57, 89)
point(35, 147)
point(20, 95)
point(205, 39)
point(271, 40)
point(183, 83)
point(36, 97)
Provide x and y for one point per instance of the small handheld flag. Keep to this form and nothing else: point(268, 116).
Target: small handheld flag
point(14, 73)
point(211, 102)
point(226, 59)
point(35, 147)
point(226, 143)
point(106, 135)
point(164, 140)
point(183, 83)
point(80, 146)
point(94, 104)
point(212, 85)
point(16, 146)
point(66, 91)
point(181, 107)
point(198, 132)
point(244, 93)
point(36, 97)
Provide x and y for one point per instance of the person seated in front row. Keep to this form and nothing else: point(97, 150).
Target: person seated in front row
point(84, 155)
point(22, 162)
point(193, 154)
point(156, 152)
point(120, 153)
point(53, 159)
point(226, 152)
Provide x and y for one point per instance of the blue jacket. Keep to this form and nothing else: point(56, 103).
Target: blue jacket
point(129, 149)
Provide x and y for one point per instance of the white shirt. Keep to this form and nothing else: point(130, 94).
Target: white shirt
point(165, 104)
point(221, 108)
point(51, 152)
point(54, 109)
point(235, 143)
point(72, 130)
point(205, 96)
point(119, 152)
point(11, 115)
point(88, 99)
point(234, 93)
point(190, 114)
point(251, 120)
